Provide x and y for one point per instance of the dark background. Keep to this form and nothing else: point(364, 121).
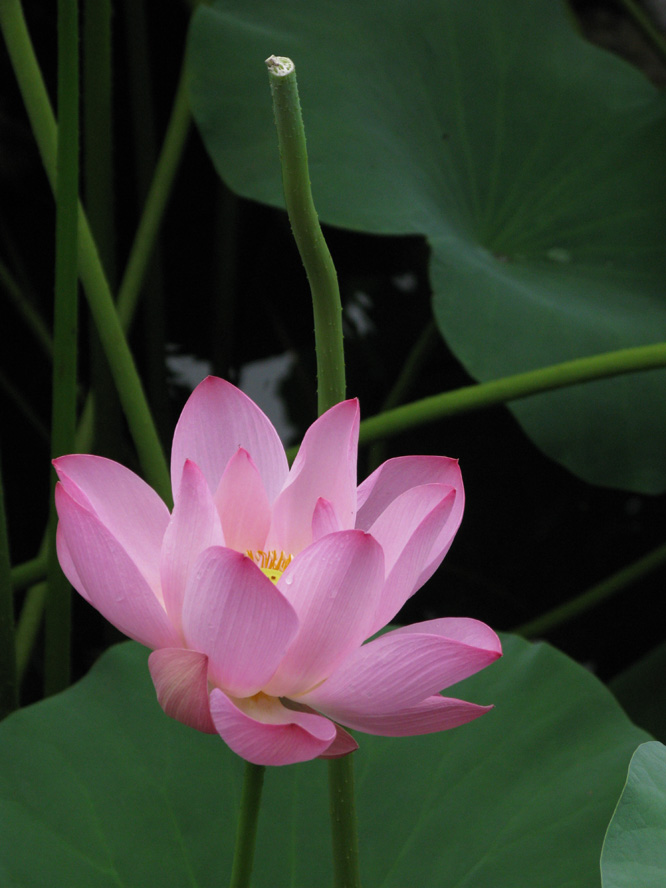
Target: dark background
point(533, 535)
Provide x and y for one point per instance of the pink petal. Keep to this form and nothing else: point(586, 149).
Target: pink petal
point(130, 509)
point(236, 615)
point(67, 565)
point(324, 519)
point(112, 581)
point(194, 526)
point(242, 504)
point(395, 476)
point(433, 714)
point(407, 530)
point(334, 587)
point(403, 667)
point(218, 419)
point(343, 744)
point(463, 629)
point(268, 734)
point(181, 681)
point(324, 467)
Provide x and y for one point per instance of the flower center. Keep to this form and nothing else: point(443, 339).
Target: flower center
point(272, 563)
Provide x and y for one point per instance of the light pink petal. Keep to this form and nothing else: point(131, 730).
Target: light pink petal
point(407, 530)
point(463, 629)
point(113, 583)
point(194, 526)
point(334, 587)
point(324, 467)
point(130, 509)
point(237, 616)
point(266, 733)
point(433, 714)
point(324, 519)
point(395, 476)
point(218, 419)
point(181, 681)
point(67, 565)
point(343, 744)
point(402, 668)
point(242, 504)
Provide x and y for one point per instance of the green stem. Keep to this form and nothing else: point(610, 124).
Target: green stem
point(8, 675)
point(248, 819)
point(158, 195)
point(92, 275)
point(63, 416)
point(29, 572)
point(598, 593)
point(98, 128)
point(511, 388)
point(307, 233)
point(330, 381)
point(97, 134)
point(27, 628)
point(346, 872)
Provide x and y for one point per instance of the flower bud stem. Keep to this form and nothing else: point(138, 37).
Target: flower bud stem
point(248, 820)
point(305, 226)
point(331, 387)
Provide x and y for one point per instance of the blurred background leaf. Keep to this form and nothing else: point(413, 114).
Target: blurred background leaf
point(531, 161)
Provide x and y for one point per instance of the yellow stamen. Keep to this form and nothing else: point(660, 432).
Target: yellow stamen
point(272, 563)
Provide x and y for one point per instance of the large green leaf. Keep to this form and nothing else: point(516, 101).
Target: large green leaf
point(98, 788)
point(634, 852)
point(532, 162)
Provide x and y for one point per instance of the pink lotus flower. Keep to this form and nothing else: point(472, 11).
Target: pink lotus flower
point(258, 591)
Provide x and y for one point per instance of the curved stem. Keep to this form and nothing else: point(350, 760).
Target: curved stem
point(511, 388)
point(92, 275)
point(305, 226)
point(29, 572)
point(248, 819)
point(330, 381)
point(598, 593)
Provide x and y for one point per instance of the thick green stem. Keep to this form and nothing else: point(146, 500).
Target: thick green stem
point(8, 676)
point(599, 593)
point(330, 381)
point(92, 275)
point(248, 819)
point(307, 233)
point(65, 327)
point(511, 388)
point(346, 872)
